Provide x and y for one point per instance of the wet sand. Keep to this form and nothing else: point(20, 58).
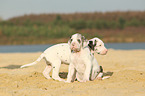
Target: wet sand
point(126, 68)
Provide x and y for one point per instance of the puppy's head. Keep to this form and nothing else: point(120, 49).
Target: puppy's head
point(97, 46)
point(76, 42)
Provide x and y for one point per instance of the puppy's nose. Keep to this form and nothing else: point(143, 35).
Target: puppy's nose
point(73, 44)
point(106, 50)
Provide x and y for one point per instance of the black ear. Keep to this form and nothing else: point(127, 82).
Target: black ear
point(91, 45)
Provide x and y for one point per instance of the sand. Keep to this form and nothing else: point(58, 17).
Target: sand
point(126, 68)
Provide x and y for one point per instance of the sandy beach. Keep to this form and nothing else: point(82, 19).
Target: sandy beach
point(126, 68)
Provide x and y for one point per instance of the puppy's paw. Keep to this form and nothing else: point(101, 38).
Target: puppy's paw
point(84, 80)
point(99, 78)
point(66, 81)
point(106, 77)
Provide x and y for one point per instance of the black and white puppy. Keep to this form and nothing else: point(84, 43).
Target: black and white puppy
point(97, 46)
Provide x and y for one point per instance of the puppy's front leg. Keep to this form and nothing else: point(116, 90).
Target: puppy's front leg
point(95, 69)
point(71, 73)
point(87, 71)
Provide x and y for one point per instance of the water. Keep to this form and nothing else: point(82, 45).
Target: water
point(41, 48)
point(125, 46)
point(23, 48)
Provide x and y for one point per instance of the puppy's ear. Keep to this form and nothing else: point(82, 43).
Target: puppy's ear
point(69, 41)
point(91, 45)
point(83, 38)
point(95, 43)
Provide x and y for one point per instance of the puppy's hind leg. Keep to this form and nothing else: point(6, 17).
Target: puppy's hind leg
point(100, 75)
point(55, 73)
point(47, 71)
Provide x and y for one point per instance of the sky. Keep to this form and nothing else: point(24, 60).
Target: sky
point(13, 8)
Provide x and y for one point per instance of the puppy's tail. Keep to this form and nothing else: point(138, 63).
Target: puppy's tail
point(35, 62)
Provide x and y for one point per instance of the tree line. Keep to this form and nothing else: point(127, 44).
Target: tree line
point(64, 25)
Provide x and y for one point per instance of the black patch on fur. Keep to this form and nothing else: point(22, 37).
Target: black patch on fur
point(101, 69)
point(91, 45)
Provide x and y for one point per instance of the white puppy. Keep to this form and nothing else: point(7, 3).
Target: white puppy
point(80, 60)
point(58, 54)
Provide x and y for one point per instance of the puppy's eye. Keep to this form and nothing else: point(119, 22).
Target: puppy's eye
point(79, 40)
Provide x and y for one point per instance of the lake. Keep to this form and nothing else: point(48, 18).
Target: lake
point(41, 48)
